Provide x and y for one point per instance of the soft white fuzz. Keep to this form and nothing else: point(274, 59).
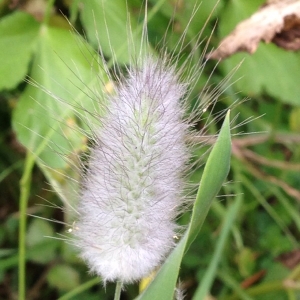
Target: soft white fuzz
point(133, 185)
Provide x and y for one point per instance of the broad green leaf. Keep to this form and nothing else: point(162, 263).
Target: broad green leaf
point(63, 277)
point(18, 36)
point(108, 25)
point(37, 231)
point(35, 239)
point(45, 114)
point(66, 93)
point(193, 12)
point(191, 33)
point(269, 69)
point(215, 172)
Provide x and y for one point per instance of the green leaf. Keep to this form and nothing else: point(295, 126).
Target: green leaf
point(215, 172)
point(63, 277)
point(65, 95)
point(18, 37)
point(228, 222)
point(37, 232)
point(47, 113)
point(270, 70)
point(108, 25)
point(192, 14)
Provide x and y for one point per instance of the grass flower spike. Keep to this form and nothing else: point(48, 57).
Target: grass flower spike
point(133, 184)
point(115, 123)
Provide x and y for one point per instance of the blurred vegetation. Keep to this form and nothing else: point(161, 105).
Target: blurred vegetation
point(261, 255)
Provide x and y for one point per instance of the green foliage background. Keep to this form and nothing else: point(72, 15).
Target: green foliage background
point(243, 234)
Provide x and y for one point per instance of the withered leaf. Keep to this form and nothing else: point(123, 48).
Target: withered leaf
point(277, 21)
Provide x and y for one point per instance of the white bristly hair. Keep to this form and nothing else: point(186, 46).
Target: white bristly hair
point(133, 186)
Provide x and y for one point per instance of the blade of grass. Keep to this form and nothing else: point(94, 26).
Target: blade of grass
point(210, 274)
point(215, 173)
point(83, 287)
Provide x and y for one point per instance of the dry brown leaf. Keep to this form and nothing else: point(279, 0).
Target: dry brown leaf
point(290, 259)
point(277, 21)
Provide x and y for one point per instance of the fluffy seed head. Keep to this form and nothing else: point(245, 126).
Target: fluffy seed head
point(133, 186)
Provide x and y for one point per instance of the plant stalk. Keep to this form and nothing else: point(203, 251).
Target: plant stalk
point(25, 185)
point(118, 290)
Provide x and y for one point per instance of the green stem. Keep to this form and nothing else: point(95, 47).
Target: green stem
point(25, 185)
point(118, 290)
point(10, 169)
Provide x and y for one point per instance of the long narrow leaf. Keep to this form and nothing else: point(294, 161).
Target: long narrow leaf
point(210, 274)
